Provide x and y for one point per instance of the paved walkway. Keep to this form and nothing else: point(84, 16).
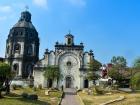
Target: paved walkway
point(125, 89)
point(70, 97)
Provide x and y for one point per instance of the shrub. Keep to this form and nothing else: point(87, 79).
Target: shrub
point(135, 81)
point(97, 90)
point(40, 86)
point(24, 95)
point(34, 89)
point(115, 87)
point(33, 97)
point(14, 86)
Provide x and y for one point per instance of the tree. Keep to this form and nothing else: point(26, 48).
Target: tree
point(94, 66)
point(135, 81)
point(119, 64)
point(137, 63)
point(119, 61)
point(52, 73)
point(114, 73)
point(5, 74)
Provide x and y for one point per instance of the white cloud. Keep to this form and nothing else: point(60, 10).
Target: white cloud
point(40, 3)
point(5, 9)
point(77, 2)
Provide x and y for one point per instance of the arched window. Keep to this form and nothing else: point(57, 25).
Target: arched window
point(8, 49)
point(30, 50)
point(69, 41)
point(29, 70)
point(17, 48)
point(16, 68)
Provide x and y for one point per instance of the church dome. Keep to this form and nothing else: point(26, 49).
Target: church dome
point(24, 24)
point(24, 21)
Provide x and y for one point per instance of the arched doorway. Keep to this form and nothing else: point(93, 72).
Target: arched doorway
point(49, 83)
point(68, 82)
point(86, 83)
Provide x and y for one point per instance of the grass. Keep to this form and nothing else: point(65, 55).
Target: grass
point(15, 99)
point(130, 98)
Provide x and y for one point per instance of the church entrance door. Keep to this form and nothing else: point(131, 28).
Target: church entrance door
point(68, 82)
point(86, 83)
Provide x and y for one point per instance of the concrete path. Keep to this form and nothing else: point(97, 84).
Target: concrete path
point(125, 89)
point(70, 97)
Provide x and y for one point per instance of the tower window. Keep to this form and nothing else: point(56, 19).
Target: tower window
point(7, 49)
point(29, 69)
point(30, 50)
point(21, 33)
point(17, 48)
point(16, 68)
point(15, 33)
point(69, 41)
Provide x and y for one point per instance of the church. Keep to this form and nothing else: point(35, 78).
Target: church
point(22, 54)
point(72, 62)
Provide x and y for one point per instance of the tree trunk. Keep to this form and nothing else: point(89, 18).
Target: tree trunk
point(0, 94)
point(7, 84)
point(7, 89)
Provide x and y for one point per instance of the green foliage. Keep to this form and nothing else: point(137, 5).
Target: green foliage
point(135, 81)
point(137, 63)
point(92, 76)
point(117, 70)
point(52, 72)
point(5, 73)
point(4, 70)
point(94, 66)
point(119, 61)
point(97, 90)
point(114, 73)
point(40, 86)
point(24, 95)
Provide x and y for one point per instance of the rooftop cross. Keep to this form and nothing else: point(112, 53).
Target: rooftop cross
point(26, 8)
point(69, 31)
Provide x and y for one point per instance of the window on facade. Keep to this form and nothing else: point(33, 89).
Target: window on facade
point(7, 49)
point(15, 33)
point(69, 64)
point(17, 48)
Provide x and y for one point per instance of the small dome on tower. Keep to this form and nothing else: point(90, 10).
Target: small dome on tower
point(69, 35)
point(25, 20)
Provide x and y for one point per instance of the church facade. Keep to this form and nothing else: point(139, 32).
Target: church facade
point(22, 46)
point(22, 54)
point(72, 61)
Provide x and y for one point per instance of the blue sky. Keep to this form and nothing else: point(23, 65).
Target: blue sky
point(108, 27)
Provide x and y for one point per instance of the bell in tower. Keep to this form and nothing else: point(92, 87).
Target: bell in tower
point(69, 39)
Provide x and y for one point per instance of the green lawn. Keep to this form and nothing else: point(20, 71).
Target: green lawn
point(15, 99)
point(130, 98)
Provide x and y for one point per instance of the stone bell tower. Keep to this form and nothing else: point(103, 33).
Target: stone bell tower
point(22, 46)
